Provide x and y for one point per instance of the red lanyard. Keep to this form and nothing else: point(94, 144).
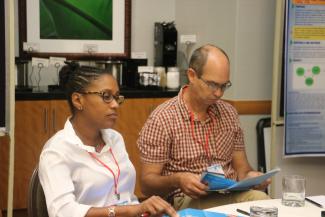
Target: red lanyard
point(206, 145)
point(116, 178)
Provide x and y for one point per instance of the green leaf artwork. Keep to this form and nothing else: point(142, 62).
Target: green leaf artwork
point(76, 19)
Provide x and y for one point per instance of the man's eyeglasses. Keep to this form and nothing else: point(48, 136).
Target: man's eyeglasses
point(106, 96)
point(215, 86)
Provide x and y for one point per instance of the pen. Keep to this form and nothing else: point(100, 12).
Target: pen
point(242, 212)
point(313, 202)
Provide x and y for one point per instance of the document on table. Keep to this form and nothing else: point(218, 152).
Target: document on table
point(217, 182)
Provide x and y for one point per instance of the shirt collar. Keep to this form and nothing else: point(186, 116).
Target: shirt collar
point(74, 139)
point(186, 113)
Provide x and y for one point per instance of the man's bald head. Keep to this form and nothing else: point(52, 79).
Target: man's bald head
point(200, 56)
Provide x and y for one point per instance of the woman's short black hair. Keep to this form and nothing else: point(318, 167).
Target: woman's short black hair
point(75, 78)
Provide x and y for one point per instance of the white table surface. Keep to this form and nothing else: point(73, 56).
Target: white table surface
point(309, 210)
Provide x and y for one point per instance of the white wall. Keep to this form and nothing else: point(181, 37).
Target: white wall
point(254, 49)
point(212, 21)
point(245, 30)
point(253, 58)
point(144, 14)
point(312, 168)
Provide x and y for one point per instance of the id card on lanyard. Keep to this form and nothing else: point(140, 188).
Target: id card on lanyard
point(216, 169)
point(115, 176)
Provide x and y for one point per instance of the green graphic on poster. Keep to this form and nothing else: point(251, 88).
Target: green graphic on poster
point(308, 74)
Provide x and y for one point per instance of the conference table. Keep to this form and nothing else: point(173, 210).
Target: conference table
point(309, 210)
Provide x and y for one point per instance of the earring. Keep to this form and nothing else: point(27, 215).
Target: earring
point(80, 108)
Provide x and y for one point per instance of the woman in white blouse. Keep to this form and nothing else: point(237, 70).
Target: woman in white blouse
point(84, 169)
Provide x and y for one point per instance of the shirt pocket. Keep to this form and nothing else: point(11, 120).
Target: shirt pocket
point(186, 151)
point(224, 144)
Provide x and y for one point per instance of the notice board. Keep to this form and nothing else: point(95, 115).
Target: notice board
point(304, 83)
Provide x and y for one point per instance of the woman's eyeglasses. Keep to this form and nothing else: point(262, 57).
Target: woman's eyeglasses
point(106, 96)
point(215, 86)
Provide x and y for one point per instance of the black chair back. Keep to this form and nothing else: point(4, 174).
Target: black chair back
point(36, 198)
point(261, 124)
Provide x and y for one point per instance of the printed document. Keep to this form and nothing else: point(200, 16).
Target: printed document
point(217, 182)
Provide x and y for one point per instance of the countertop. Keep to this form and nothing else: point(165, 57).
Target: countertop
point(45, 93)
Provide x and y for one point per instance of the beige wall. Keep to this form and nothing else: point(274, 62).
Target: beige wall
point(244, 29)
point(144, 14)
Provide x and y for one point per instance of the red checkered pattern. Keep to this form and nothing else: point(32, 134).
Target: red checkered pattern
point(166, 138)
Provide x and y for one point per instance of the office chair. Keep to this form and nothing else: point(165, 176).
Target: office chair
point(261, 124)
point(261, 162)
point(36, 198)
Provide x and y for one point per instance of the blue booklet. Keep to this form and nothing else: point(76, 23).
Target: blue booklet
point(201, 213)
point(218, 182)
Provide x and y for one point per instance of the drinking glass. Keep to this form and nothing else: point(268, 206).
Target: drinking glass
point(259, 211)
point(293, 190)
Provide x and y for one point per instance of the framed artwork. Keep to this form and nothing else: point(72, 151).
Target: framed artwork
point(75, 29)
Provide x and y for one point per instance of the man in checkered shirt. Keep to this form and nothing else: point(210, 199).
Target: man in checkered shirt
point(193, 131)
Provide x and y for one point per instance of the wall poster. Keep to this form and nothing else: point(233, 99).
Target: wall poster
point(305, 78)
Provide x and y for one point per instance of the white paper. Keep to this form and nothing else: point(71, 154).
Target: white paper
point(248, 183)
point(320, 199)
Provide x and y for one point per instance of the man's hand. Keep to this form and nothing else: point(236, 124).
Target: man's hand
point(191, 185)
point(261, 186)
point(244, 170)
point(153, 183)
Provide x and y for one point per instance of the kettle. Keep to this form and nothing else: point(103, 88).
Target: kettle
point(22, 73)
point(115, 67)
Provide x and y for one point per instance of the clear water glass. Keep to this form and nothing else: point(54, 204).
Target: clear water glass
point(293, 190)
point(259, 211)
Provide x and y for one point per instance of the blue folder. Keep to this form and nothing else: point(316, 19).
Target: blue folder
point(220, 183)
point(201, 213)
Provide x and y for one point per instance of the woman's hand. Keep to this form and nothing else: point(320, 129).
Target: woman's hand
point(156, 206)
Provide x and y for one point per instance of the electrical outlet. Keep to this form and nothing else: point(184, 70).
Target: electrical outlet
point(90, 48)
point(138, 55)
point(40, 62)
point(31, 47)
point(2, 131)
point(188, 39)
point(145, 69)
point(57, 62)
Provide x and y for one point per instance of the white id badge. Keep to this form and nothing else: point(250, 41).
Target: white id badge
point(124, 199)
point(216, 168)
